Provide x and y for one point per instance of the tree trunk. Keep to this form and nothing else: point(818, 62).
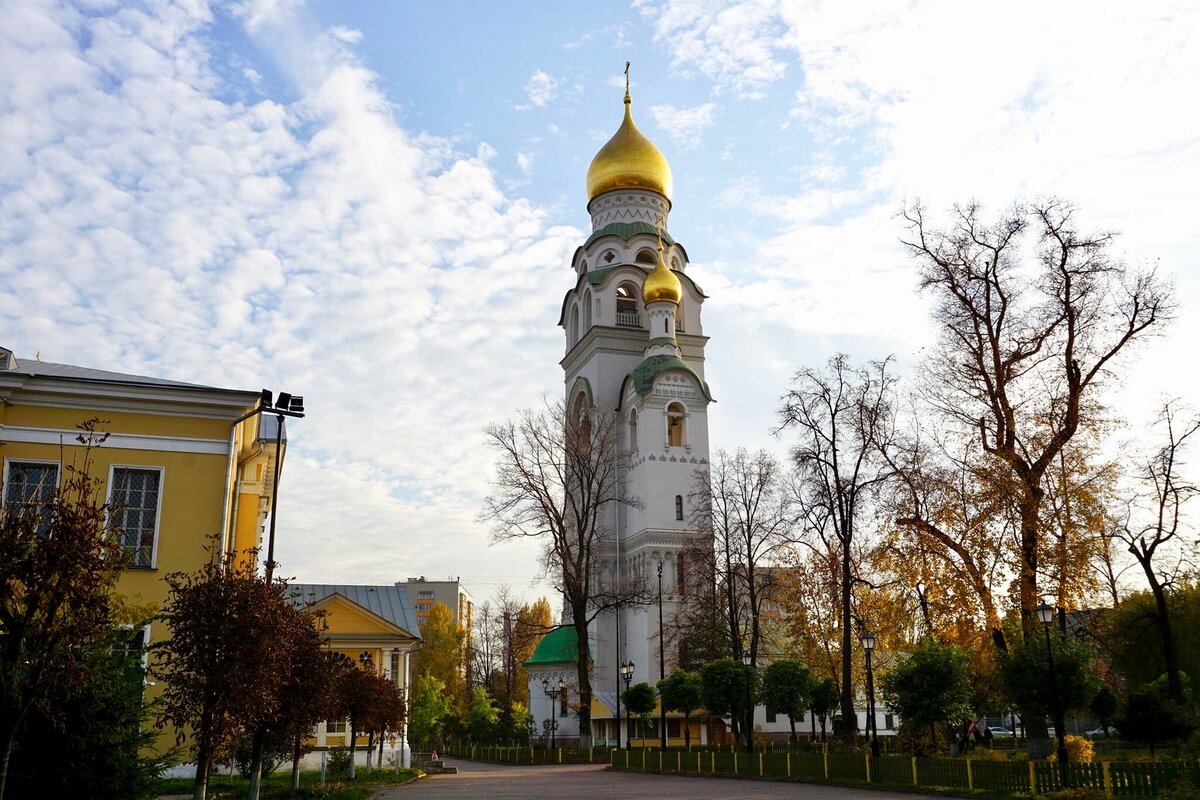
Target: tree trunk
point(296, 766)
point(792, 719)
point(687, 733)
point(583, 675)
point(203, 758)
point(353, 742)
point(849, 716)
point(1163, 621)
point(10, 738)
point(256, 759)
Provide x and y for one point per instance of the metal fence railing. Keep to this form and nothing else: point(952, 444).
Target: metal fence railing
point(1012, 777)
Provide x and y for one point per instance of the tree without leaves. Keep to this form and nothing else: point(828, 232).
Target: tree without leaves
point(1024, 348)
point(787, 688)
point(560, 478)
point(1152, 525)
point(842, 418)
point(744, 518)
point(57, 576)
point(682, 691)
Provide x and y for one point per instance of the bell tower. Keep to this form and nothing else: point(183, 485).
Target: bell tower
point(635, 346)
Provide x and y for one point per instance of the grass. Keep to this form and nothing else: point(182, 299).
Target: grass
point(279, 785)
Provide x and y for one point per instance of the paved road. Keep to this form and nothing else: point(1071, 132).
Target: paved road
point(594, 782)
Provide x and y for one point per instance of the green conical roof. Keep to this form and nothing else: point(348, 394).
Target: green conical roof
point(559, 646)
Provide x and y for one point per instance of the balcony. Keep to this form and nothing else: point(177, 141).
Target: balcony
point(629, 319)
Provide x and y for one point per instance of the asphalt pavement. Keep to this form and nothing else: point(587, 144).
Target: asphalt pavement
point(596, 782)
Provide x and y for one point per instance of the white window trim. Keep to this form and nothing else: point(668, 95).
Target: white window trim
point(162, 482)
point(15, 460)
point(145, 648)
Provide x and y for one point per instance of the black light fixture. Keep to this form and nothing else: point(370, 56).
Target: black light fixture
point(868, 643)
point(1045, 615)
point(553, 694)
point(283, 405)
point(627, 676)
point(748, 662)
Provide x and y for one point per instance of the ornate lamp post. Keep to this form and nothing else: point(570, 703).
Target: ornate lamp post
point(748, 661)
point(1045, 615)
point(662, 664)
point(627, 676)
point(553, 694)
point(868, 643)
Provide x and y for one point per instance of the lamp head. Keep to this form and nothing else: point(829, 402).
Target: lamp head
point(265, 398)
point(545, 684)
point(561, 684)
point(746, 658)
point(1045, 614)
point(868, 641)
point(283, 401)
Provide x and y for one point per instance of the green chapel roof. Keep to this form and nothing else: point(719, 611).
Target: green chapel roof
point(559, 646)
point(646, 372)
point(626, 231)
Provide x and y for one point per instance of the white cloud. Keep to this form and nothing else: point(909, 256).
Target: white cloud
point(525, 162)
point(734, 44)
point(685, 126)
point(316, 246)
point(540, 90)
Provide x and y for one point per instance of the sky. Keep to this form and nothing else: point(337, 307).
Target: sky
point(374, 205)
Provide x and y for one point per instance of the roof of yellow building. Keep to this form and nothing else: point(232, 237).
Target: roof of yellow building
point(388, 601)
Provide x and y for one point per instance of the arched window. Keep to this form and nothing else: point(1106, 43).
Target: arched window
point(627, 306)
point(679, 326)
point(678, 506)
point(676, 435)
point(633, 440)
point(646, 257)
point(587, 309)
point(583, 422)
point(681, 575)
point(574, 324)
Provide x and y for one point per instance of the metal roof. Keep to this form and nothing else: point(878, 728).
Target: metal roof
point(49, 369)
point(559, 646)
point(390, 602)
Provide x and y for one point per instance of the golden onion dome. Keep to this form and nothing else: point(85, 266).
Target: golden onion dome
point(629, 161)
point(661, 285)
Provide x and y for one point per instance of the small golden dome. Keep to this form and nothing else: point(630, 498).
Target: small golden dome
point(661, 285)
point(629, 161)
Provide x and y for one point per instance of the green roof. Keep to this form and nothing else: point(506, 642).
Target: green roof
point(646, 372)
point(559, 646)
point(626, 231)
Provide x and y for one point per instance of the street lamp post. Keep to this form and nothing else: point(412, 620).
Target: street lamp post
point(868, 643)
point(662, 664)
point(1045, 615)
point(627, 676)
point(286, 405)
point(553, 694)
point(748, 661)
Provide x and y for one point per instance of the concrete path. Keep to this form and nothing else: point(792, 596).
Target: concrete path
point(480, 781)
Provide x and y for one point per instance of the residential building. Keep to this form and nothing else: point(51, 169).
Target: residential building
point(178, 469)
point(450, 593)
point(374, 626)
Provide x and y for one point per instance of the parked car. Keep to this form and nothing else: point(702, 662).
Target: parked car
point(1094, 732)
point(998, 732)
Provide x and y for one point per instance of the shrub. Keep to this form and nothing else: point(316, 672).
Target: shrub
point(339, 761)
point(1079, 749)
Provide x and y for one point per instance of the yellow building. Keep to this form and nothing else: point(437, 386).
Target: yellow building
point(174, 462)
point(374, 627)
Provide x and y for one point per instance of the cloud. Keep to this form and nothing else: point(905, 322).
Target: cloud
point(540, 90)
point(685, 126)
point(734, 44)
point(153, 225)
